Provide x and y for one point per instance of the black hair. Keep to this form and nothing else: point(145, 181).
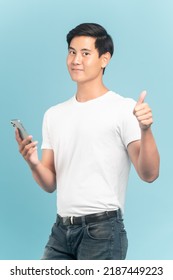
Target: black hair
point(103, 43)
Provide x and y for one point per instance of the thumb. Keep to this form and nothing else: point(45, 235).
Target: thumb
point(141, 97)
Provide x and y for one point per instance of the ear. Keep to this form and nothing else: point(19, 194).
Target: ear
point(105, 59)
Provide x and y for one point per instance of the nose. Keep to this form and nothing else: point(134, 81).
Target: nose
point(77, 59)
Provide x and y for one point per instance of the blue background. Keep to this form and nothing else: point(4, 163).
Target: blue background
point(33, 77)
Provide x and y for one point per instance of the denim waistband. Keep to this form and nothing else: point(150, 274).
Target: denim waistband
point(91, 218)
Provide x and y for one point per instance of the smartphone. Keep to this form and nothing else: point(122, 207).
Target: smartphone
point(22, 131)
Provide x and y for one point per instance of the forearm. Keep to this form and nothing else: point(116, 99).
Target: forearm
point(148, 160)
point(43, 171)
point(44, 177)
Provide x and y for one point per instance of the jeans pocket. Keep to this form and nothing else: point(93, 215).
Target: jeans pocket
point(124, 244)
point(102, 230)
point(123, 238)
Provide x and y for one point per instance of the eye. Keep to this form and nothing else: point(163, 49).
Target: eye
point(85, 53)
point(71, 52)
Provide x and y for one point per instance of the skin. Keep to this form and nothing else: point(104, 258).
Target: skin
point(86, 69)
point(144, 153)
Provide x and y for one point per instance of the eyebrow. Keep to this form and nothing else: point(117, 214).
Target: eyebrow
point(84, 49)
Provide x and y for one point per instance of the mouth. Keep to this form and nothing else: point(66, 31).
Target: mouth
point(76, 69)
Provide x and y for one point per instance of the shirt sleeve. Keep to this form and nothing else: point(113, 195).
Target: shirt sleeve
point(130, 127)
point(46, 141)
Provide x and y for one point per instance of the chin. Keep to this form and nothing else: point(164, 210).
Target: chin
point(76, 79)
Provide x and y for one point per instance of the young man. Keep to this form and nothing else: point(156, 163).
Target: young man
point(88, 144)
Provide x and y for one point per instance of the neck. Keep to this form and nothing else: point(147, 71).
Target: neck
point(88, 91)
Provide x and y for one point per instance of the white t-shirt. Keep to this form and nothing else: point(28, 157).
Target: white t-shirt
point(90, 140)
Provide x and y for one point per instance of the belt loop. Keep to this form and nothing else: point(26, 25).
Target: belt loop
point(119, 214)
point(83, 221)
point(57, 220)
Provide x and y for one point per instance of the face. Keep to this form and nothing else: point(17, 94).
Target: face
point(83, 61)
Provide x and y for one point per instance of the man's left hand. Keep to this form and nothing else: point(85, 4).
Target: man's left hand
point(143, 112)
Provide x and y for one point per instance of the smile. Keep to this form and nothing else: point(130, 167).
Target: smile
point(76, 69)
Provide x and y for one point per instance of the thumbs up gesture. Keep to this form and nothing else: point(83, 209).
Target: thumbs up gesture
point(143, 112)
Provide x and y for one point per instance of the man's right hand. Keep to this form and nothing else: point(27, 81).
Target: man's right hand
point(28, 149)
point(43, 171)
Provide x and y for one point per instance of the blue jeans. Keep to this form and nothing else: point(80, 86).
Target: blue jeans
point(102, 240)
